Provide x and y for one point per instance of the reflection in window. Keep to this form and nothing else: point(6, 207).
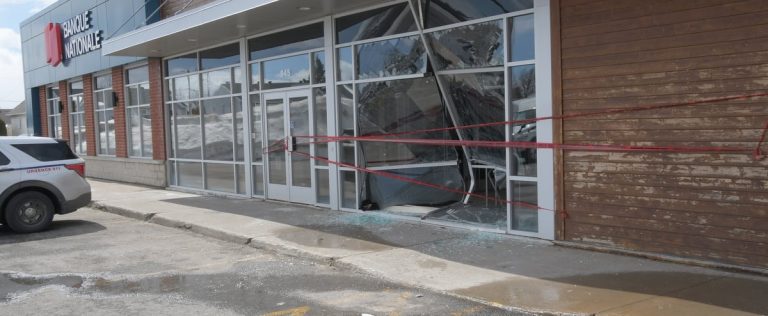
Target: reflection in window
point(286, 72)
point(386, 21)
point(286, 42)
point(257, 146)
point(346, 116)
point(318, 67)
point(216, 83)
point(217, 119)
point(220, 177)
point(181, 65)
point(470, 46)
point(479, 98)
point(185, 88)
point(522, 90)
point(400, 56)
point(255, 71)
point(521, 42)
point(187, 136)
point(401, 106)
point(346, 69)
point(444, 12)
point(220, 56)
point(321, 123)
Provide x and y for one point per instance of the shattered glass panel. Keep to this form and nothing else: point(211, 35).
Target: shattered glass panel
point(400, 106)
point(444, 12)
point(401, 197)
point(471, 46)
point(380, 22)
point(489, 209)
point(522, 89)
point(395, 57)
point(479, 98)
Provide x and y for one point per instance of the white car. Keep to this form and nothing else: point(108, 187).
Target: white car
point(39, 177)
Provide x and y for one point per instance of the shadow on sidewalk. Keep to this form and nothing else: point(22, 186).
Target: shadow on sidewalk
point(58, 229)
point(529, 258)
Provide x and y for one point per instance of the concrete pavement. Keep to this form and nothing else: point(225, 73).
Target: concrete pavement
point(513, 273)
point(96, 263)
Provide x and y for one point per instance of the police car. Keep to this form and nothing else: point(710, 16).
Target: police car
point(39, 177)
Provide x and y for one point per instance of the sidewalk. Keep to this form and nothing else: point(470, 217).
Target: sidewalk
point(518, 274)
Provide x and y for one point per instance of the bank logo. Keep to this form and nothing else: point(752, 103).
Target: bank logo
point(53, 44)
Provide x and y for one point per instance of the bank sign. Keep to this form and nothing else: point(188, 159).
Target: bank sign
point(71, 39)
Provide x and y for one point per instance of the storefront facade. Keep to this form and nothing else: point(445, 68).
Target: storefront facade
point(359, 106)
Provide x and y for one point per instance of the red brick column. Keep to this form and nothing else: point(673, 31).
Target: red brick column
point(43, 94)
point(64, 97)
point(156, 107)
point(90, 121)
point(121, 141)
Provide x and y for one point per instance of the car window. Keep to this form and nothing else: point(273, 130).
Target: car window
point(3, 159)
point(47, 151)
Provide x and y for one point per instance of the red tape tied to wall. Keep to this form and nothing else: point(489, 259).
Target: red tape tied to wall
point(756, 152)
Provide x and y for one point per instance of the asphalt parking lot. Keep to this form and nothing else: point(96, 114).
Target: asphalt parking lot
point(95, 263)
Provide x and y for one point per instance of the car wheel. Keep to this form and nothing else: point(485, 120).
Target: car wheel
point(29, 212)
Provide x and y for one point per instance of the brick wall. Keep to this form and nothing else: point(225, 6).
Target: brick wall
point(121, 142)
point(173, 7)
point(157, 108)
point(64, 97)
point(90, 122)
point(43, 111)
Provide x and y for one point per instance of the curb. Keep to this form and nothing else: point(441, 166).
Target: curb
point(154, 218)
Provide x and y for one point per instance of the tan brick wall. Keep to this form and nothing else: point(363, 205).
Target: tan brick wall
point(90, 122)
point(43, 112)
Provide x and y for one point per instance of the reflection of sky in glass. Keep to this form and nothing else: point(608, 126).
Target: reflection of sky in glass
point(346, 69)
point(521, 38)
point(289, 70)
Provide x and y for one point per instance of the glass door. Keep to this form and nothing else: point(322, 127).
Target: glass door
point(289, 171)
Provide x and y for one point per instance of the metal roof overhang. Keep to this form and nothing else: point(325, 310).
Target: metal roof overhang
point(222, 21)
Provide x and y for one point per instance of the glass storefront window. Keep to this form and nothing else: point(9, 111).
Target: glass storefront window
point(77, 118)
point(54, 112)
point(346, 68)
point(218, 128)
point(181, 65)
point(479, 98)
point(217, 83)
point(400, 106)
point(286, 72)
point(395, 57)
point(521, 38)
point(395, 19)
point(105, 116)
point(318, 67)
point(138, 113)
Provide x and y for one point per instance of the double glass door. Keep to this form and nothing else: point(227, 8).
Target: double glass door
point(289, 171)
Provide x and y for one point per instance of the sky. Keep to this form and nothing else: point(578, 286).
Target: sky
point(12, 12)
